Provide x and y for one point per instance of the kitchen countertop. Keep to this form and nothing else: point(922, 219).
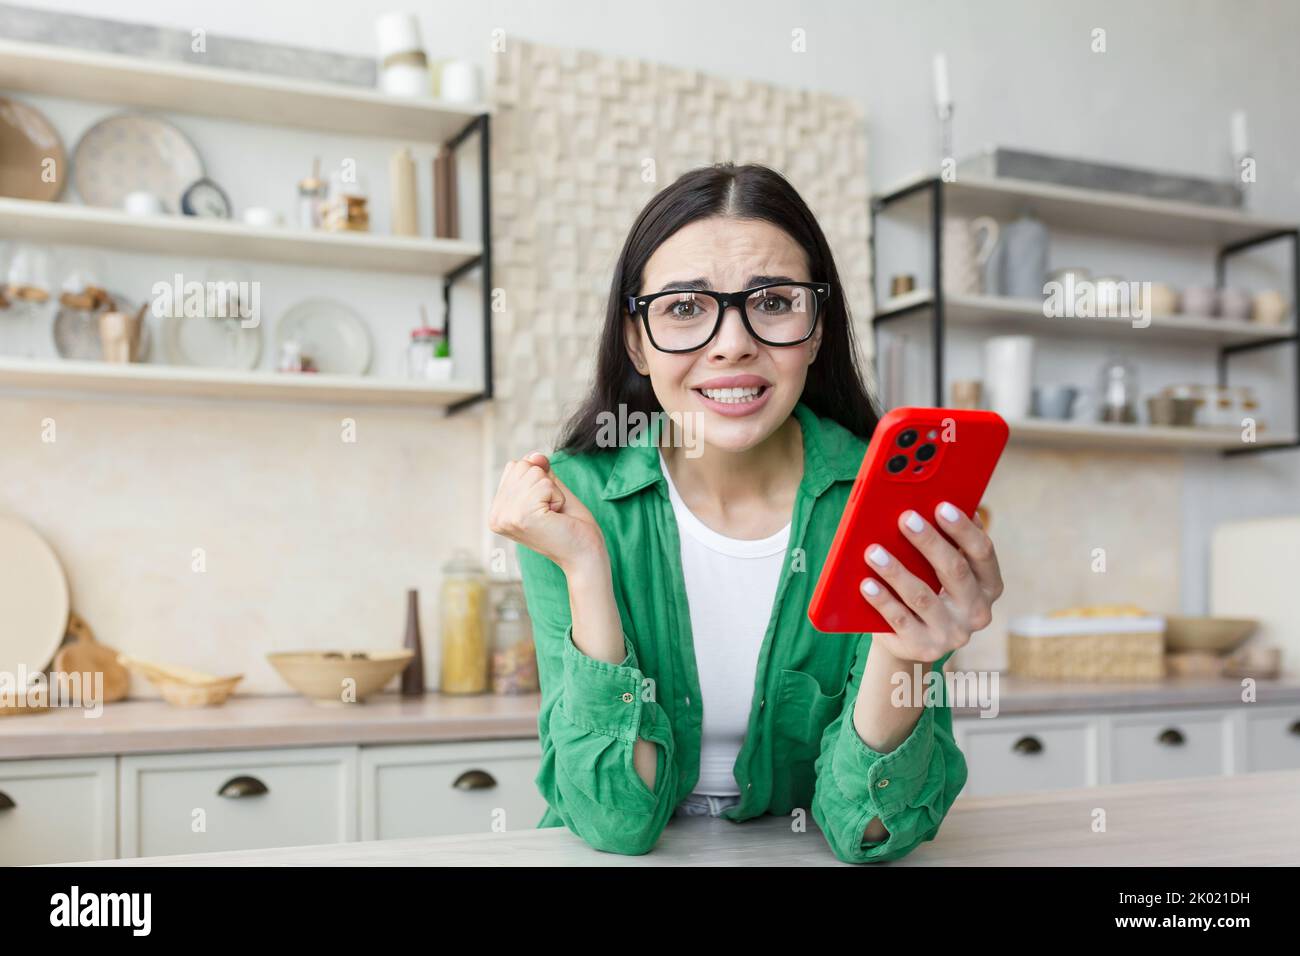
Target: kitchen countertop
point(1247, 820)
point(152, 726)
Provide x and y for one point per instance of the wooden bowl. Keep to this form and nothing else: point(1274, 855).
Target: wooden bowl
point(339, 677)
point(1217, 635)
point(180, 686)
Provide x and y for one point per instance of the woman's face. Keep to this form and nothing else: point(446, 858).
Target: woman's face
point(726, 255)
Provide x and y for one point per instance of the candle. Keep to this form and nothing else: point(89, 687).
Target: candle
point(1239, 147)
point(942, 97)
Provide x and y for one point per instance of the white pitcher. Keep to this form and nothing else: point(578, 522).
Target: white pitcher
point(967, 245)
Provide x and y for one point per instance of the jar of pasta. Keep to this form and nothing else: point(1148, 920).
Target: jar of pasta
point(464, 626)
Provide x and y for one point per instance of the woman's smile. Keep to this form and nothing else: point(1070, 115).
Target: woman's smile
point(733, 395)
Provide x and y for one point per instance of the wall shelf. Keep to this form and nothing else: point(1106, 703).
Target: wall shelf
point(1078, 434)
point(1233, 232)
point(189, 235)
point(1026, 315)
point(132, 82)
point(1089, 210)
point(180, 381)
point(127, 81)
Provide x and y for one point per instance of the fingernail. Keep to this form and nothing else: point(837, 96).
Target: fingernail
point(879, 555)
point(949, 512)
point(914, 521)
point(871, 587)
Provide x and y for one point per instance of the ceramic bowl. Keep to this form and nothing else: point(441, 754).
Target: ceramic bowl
point(1217, 635)
point(339, 677)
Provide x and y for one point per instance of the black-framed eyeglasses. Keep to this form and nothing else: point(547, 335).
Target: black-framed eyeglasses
point(776, 314)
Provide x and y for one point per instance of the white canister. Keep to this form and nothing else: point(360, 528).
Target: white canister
point(1009, 374)
point(403, 66)
point(459, 82)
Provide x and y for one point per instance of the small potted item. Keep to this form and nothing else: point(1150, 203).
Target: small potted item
point(428, 356)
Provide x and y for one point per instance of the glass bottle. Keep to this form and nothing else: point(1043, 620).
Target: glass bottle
point(514, 657)
point(463, 610)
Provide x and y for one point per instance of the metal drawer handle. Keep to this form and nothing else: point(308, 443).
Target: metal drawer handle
point(1028, 745)
point(1295, 728)
point(237, 787)
point(475, 780)
point(7, 802)
point(1172, 738)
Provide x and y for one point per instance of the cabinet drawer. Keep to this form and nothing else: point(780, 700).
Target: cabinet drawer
point(1169, 745)
point(1011, 756)
point(419, 790)
point(1272, 737)
point(237, 800)
point(58, 811)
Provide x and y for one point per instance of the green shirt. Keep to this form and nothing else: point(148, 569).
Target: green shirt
point(801, 749)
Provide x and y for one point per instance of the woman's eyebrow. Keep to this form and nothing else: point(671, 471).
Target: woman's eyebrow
point(687, 285)
point(702, 285)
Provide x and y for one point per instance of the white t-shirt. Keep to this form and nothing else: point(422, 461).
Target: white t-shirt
point(730, 586)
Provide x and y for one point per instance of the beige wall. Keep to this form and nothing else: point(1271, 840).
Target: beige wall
point(310, 542)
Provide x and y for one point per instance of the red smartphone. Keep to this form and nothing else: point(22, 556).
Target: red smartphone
point(918, 457)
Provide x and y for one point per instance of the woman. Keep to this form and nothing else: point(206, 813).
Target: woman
point(668, 581)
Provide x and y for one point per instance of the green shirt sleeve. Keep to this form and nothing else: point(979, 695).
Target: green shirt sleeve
point(592, 713)
point(910, 789)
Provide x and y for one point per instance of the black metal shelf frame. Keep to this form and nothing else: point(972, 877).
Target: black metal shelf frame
point(480, 125)
point(935, 187)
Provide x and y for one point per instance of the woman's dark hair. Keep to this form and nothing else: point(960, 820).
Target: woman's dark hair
point(834, 387)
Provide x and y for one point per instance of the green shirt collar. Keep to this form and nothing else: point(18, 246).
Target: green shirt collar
point(830, 453)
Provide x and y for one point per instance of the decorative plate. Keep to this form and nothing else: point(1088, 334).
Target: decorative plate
point(331, 334)
point(132, 152)
point(33, 164)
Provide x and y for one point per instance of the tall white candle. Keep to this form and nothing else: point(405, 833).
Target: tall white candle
point(1239, 145)
point(942, 96)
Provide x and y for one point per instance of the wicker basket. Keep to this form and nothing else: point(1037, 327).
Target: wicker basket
point(1087, 648)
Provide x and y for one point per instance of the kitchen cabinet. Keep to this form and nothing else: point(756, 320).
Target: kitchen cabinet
point(57, 811)
point(1170, 745)
point(1272, 738)
point(421, 790)
point(1011, 754)
point(235, 800)
point(1017, 754)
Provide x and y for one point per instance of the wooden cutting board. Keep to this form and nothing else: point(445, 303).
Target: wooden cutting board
point(1252, 574)
point(83, 654)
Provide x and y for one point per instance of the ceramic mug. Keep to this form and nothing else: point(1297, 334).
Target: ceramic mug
point(1234, 304)
point(1201, 300)
point(1055, 402)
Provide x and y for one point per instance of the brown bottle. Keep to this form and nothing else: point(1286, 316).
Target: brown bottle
point(413, 675)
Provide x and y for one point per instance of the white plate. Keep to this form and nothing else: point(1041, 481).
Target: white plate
point(331, 334)
point(132, 152)
point(33, 599)
point(210, 343)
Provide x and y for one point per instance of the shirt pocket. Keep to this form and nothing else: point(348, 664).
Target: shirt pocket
point(803, 710)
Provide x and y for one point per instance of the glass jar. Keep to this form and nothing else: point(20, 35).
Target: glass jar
point(464, 633)
point(514, 657)
point(1117, 391)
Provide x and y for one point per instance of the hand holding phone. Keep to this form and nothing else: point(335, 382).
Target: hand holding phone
point(919, 460)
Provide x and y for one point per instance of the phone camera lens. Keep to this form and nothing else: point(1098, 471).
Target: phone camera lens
point(906, 439)
point(897, 464)
point(925, 452)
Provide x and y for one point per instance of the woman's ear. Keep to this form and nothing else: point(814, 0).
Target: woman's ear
point(632, 338)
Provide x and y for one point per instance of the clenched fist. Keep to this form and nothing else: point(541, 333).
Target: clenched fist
point(533, 507)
